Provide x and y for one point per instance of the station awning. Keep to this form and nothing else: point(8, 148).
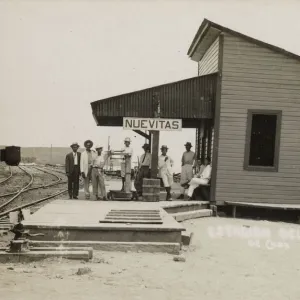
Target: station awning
point(190, 100)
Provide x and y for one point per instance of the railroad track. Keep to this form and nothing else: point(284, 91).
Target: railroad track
point(6, 179)
point(28, 188)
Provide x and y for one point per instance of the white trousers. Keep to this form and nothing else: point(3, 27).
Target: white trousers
point(186, 175)
point(86, 181)
point(123, 167)
point(167, 179)
point(195, 182)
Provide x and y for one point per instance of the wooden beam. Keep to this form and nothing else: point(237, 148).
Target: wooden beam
point(127, 175)
point(154, 161)
point(143, 134)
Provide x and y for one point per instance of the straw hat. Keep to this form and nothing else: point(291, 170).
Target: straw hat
point(88, 141)
point(164, 147)
point(98, 147)
point(127, 140)
point(74, 144)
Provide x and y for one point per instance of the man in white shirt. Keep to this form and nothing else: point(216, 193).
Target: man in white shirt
point(72, 165)
point(98, 175)
point(165, 165)
point(85, 166)
point(144, 169)
point(202, 178)
point(128, 152)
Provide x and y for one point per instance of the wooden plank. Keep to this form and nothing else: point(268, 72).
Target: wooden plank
point(39, 255)
point(130, 221)
point(265, 205)
point(131, 218)
point(136, 210)
point(151, 247)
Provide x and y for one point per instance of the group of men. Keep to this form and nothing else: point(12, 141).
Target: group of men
point(188, 180)
point(90, 166)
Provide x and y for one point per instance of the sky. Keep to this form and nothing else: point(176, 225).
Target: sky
point(56, 57)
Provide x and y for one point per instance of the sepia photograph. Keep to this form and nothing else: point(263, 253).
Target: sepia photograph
point(149, 149)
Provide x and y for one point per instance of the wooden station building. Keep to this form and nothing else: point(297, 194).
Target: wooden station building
point(245, 105)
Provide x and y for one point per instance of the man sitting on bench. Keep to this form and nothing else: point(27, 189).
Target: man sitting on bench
point(202, 178)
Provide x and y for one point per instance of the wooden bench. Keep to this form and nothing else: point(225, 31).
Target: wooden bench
point(203, 191)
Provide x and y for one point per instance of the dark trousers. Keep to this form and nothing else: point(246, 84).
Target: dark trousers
point(73, 182)
point(144, 172)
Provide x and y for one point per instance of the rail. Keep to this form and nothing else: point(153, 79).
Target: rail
point(35, 202)
point(6, 179)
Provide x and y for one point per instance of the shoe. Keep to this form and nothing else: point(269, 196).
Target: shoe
point(75, 198)
point(169, 198)
point(104, 198)
point(70, 197)
point(181, 196)
point(98, 198)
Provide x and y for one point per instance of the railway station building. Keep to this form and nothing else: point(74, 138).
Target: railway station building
point(245, 106)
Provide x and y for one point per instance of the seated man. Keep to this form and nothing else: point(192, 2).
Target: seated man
point(202, 177)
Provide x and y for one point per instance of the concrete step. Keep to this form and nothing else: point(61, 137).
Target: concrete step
point(186, 238)
point(109, 233)
point(186, 206)
point(188, 215)
point(150, 247)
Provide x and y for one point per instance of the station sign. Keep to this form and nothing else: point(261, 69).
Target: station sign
point(155, 124)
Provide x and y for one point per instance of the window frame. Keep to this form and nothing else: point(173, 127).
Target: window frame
point(250, 114)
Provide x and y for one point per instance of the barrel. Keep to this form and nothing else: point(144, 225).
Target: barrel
point(151, 190)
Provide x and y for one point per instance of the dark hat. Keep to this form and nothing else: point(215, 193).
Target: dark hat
point(146, 146)
point(164, 147)
point(88, 141)
point(74, 144)
point(188, 144)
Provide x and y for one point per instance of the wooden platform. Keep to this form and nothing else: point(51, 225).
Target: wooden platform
point(79, 220)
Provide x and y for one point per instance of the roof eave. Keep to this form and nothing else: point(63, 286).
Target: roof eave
point(199, 35)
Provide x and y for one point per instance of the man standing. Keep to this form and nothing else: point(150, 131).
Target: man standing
point(144, 169)
point(201, 178)
point(165, 164)
point(85, 166)
point(73, 171)
point(98, 175)
point(128, 152)
point(187, 164)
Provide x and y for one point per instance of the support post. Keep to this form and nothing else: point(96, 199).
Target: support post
point(154, 161)
point(155, 138)
point(127, 186)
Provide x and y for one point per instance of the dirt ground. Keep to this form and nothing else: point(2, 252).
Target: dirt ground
point(215, 268)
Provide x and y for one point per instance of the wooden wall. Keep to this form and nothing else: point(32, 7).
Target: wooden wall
point(209, 62)
point(257, 78)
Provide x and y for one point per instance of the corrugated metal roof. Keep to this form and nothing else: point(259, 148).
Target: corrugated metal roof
point(187, 99)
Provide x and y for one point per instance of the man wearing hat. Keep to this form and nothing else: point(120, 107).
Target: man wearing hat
point(86, 160)
point(128, 152)
point(187, 164)
point(72, 165)
point(165, 165)
point(144, 169)
point(98, 175)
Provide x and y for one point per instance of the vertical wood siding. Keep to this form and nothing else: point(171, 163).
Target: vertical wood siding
point(257, 78)
point(209, 62)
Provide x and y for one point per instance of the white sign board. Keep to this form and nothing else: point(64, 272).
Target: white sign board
point(155, 124)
